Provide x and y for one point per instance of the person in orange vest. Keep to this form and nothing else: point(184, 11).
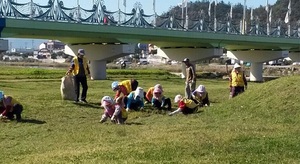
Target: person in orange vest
point(238, 82)
point(124, 87)
point(80, 70)
point(9, 107)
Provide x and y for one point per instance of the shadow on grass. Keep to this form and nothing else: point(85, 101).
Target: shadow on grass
point(133, 123)
point(90, 105)
point(32, 121)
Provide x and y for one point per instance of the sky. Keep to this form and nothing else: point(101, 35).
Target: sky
point(161, 6)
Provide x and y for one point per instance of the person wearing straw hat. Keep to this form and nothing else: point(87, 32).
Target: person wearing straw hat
point(238, 82)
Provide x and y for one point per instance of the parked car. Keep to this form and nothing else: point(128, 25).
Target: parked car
point(143, 63)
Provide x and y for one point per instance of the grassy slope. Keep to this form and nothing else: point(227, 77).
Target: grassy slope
point(259, 126)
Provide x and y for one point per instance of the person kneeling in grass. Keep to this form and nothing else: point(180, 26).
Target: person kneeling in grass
point(135, 100)
point(109, 108)
point(9, 107)
point(159, 101)
point(120, 115)
point(185, 105)
point(148, 96)
point(200, 96)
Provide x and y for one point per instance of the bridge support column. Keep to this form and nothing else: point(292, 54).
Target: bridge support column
point(256, 73)
point(257, 57)
point(98, 69)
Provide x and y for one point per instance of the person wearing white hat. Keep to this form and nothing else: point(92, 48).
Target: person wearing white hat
point(200, 96)
point(185, 105)
point(135, 100)
point(238, 82)
point(80, 70)
point(190, 81)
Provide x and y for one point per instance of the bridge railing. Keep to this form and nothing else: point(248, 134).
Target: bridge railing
point(55, 10)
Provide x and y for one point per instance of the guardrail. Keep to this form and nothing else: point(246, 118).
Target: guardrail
point(55, 10)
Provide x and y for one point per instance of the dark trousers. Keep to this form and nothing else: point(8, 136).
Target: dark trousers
point(237, 90)
point(167, 103)
point(83, 81)
point(17, 110)
point(187, 110)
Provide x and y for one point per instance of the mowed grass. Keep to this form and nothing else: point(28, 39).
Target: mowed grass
point(259, 126)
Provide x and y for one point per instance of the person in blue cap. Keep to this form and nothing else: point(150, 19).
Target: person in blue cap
point(80, 70)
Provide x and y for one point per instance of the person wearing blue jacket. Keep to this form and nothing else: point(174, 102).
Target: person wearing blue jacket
point(135, 100)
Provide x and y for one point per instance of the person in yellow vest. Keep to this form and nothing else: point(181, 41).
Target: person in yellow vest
point(200, 96)
point(185, 105)
point(9, 107)
point(238, 82)
point(80, 70)
point(124, 87)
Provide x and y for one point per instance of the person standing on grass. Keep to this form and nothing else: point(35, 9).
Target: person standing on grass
point(124, 87)
point(238, 82)
point(190, 82)
point(9, 107)
point(80, 70)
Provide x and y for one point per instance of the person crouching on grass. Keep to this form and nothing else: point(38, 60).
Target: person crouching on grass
point(159, 101)
point(9, 107)
point(185, 106)
point(135, 100)
point(200, 96)
point(148, 96)
point(120, 115)
point(109, 108)
point(124, 87)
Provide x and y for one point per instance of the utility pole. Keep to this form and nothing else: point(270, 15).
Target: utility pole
point(244, 19)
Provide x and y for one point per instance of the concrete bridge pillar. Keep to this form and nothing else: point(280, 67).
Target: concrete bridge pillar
point(256, 73)
point(98, 69)
point(194, 54)
point(98, 54)
point(257, 58)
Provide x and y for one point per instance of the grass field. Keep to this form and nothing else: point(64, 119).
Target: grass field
point(260, 126)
